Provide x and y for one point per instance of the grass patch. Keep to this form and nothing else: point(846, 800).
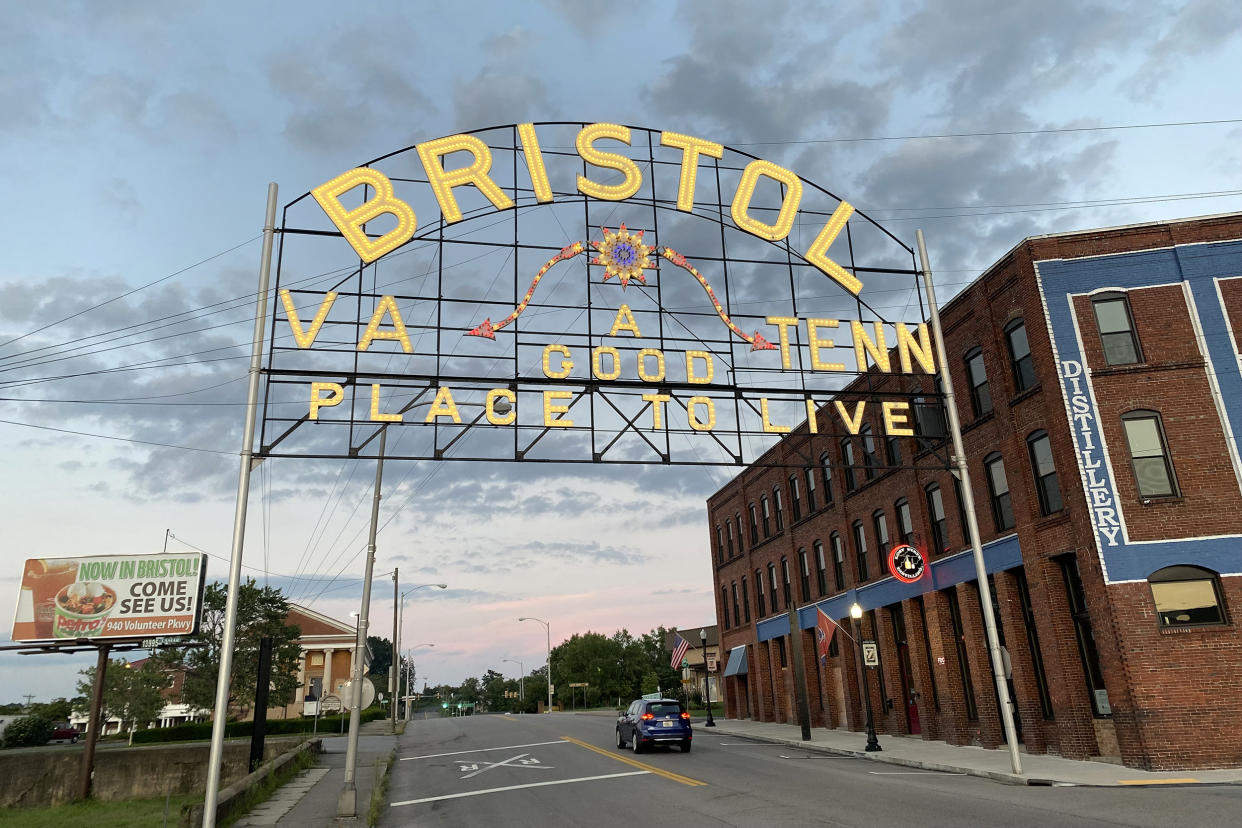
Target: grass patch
point(263, 790)
point(134, 813)
point(379, 791)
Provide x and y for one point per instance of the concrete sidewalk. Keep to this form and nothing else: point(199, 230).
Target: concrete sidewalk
point(309, 800)
point(911, 751)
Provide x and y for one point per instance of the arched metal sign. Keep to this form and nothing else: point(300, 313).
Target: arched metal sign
point(571, 292)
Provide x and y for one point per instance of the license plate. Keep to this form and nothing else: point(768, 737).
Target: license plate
point(666, 724)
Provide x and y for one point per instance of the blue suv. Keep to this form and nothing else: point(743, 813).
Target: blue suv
point(654, 722)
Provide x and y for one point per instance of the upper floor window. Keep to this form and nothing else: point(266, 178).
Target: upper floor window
point(998, 488)
point(977, 377)
point(931, 424)
point(1045, 472)
point(775, 585)
point(1116, 324)
point(724, 606)
point(847, 463)
point(795, 497)
point(810, 490)
point(786, 585)
point(870, 459)
point(729, 536)
point(892, 449)
point(780, 509)
point(737, 518)
point(745, 600)
point(720, 551)
point(804, 564)
point(826, 464)
point(935, 516)
point(737, 615)
point(961, 510)
point(759, 600)
point(880, 525)
point(1187, 596)
point(1149, 454)
point(905, 523)
point(860, 549)
point(821, 568)
point(838, 561)
point(754, 525)
point(766, 509)
point(1020, 356)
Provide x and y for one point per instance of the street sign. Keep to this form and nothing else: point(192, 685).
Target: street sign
point(368, 692)
point(871, 654)
point(578, 684)
point(330, 704)
point(711, 664)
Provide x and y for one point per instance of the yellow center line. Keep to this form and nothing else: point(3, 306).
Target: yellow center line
point(676, 777)
point(1156, 781)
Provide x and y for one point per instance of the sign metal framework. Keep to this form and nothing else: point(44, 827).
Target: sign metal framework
point(587, 293)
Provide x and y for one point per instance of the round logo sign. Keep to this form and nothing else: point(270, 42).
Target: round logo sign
point(906, 563)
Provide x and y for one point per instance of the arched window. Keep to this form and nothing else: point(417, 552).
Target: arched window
point(737, 615)
point(977, 378)
point(825, 463)
point(1020, 356)
point(1187, 596)
point(821, 569)
point(1149, 454)
point(754, 525)
point(860, 549)
point(780, 509)
point(810, 491)
point(905, 523)
point(760, 604)
point(795, 497)
point(935, 517)
point(804, 575)
point(737, 518)
point(1044, 471)
point(745, 599)
point(729, 537)
point(724, 605)
point(998, 487)
point(880, 526)
point(838, 561)
point(847, 463)
point(774, 587)
point(766, 510)
point(871, 459)
point(786, 586)
point(720, 552)
point(1116, 324)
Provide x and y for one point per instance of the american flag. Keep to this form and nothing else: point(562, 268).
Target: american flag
point(680, 647)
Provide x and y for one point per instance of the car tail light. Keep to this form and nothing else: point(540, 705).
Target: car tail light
point(685, 715)
point(648, 716)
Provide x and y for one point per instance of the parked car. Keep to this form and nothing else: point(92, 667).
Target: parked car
point(64, 730)
point(649, 722)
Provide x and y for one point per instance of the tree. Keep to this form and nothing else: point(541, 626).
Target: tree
point(381, 656)
point(135, 695)
point(260, 612)
point(57, 710)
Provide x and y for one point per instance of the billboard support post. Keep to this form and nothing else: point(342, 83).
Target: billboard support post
point(92, 734)
point(972, 521)
point(221, 712)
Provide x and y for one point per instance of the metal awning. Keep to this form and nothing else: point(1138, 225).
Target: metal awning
point(737, 662)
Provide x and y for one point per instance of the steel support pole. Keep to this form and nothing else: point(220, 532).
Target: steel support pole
point(221, 712)
point(968, 505)
point(799, 670)
point(396, 658)
point(547, 629)
point(347, 805)
point(96, 722)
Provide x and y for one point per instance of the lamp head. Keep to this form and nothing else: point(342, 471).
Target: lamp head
point(855, 611)
point(703, 635)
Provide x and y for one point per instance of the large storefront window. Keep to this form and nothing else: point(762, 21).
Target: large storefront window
point(963, 658)
point(1086, 639)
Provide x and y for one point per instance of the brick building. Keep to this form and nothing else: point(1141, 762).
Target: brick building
point(1097, 380)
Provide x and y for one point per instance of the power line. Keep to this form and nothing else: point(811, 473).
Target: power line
point(113, 437)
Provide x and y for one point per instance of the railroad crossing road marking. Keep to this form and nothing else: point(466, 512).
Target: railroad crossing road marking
point(472, 769)
point(516, 788)
point(482, 750)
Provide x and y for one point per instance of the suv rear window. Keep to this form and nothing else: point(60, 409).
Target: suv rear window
point(664, 708)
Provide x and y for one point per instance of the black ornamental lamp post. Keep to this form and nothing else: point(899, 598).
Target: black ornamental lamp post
point(873, 744)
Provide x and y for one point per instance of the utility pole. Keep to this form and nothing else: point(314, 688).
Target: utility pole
point(28, 697)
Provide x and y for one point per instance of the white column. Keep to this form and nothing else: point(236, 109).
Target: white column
point(327, 670)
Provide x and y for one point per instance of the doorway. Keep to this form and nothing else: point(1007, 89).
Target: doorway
point(909, 695)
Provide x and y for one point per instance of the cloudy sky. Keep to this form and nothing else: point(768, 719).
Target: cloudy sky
point(139, 140)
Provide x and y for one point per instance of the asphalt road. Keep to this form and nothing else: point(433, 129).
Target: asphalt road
point(565, 770)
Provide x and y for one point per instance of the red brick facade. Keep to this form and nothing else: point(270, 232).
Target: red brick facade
point(1158, 696)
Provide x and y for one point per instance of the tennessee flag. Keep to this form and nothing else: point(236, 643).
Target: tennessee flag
point(825, 627)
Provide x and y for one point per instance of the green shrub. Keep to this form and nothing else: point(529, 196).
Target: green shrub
point(28, 731)
point(275, 727)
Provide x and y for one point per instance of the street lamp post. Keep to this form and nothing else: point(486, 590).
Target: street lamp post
point(707, 681)
point(396, 644)
point(521, 678)
point(873, 744)
point(547, 628)
point(409, 676)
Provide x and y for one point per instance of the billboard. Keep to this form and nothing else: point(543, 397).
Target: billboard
point(110, 597)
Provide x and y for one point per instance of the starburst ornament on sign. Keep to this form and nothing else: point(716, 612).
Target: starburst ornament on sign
point(623, 255)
